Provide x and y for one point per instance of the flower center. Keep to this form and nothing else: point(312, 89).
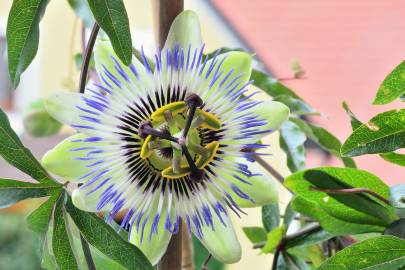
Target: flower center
point(172, 141)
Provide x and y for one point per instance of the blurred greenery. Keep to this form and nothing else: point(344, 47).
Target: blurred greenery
point(19, 247)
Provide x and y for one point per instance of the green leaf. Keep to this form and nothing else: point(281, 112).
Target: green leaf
point(101, 261)
point(380, 253)
point(39, 219)
point(313, 254)
point(292, 142)
point(392, 157)
point(297, 106)
point(200, 255)
point(61, 245)
point(289, 215)
point(396, 229)
point(14, 152)
point(292, 262)
point(395, 158)
point(274, 238)
point(48, 258)
point(310, 239)
point(112, 17)
point(105, 239)
point(13, 191)
point(398, 199)
point(383, 133)
point(270, 85)
point(328, 222)
point(353, 119)
point(270, 216)
point(82, 10)
point(23, 35)
point(392, 87)
point(255, 234)
point(355, 208)
point(323, 138)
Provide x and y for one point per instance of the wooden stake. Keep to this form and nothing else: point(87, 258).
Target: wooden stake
point(164, 13)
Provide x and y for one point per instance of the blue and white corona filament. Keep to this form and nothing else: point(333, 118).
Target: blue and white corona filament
point(167, 142)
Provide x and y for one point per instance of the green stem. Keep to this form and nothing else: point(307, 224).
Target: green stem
point(82, 85)
point(270, 169)
point(87, 56)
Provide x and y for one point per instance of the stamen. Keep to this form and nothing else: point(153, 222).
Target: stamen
point(193, 101)
point(176, 160)
point(196, 174)
point(145, 129)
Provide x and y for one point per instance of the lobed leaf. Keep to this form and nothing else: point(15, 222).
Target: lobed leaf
point(392, 87)
point(23, 35)
point(13, 191)
point(379, 253)
point(112, 17)
point(106, 240)
point(383, 133)
point(14, 152)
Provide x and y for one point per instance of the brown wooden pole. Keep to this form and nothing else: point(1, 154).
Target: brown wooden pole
point(164, 13)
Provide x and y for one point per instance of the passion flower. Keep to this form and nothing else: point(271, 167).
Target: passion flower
point(166, 143)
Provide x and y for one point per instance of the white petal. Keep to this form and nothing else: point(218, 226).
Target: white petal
point(152, 245)
point(260, 187)
point(88, 202)
point(185, 31)
point(221, 242)
point(275, 113)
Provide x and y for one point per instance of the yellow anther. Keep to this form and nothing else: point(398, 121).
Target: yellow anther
point(211, 149)
point(169, 173)
point(175, 107)
point(146, 151)
point(210, 120)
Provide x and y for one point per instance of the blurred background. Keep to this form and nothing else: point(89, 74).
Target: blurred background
point(345, 47)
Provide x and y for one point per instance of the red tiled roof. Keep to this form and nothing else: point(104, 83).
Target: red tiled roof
point(345, 47)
